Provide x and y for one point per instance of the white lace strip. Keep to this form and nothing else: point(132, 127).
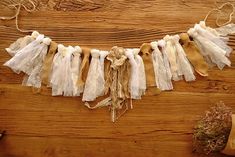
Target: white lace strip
point(76, 61)
point(141, 72)
point(22, 61)
point(161, 66)
point(184, 64)
point(34, 79)
point(94, 79)
point(215, 53)
point(215, 39)
point(134, 78)
point(21, 43)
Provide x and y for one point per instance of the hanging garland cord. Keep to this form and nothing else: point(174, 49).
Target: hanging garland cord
point(17, 6)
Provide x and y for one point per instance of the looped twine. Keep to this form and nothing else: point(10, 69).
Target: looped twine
point(219, 9)
point(17, 6)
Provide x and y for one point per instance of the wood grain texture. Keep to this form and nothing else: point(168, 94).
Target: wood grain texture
point(39, 125)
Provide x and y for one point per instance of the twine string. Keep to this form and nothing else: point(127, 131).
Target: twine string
point(219, 10)
point(17, 6)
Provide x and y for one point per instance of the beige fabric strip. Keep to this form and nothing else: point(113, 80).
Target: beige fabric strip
point(46, 68)
point(194, 55)
point(84, 68)
point(146, 54)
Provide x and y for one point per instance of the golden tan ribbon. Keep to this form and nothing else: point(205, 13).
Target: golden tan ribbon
point(194, 55)
point(84, 67)
point(146, 54)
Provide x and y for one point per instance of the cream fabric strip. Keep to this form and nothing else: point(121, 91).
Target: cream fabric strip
point(134, 78)
point(58, 75)
point(215, 39)
point(141, 72)
point(75, 69)
point(184, 64)
point(95, 81)
point(161, 66)
point(66, 70)
point(173, 60)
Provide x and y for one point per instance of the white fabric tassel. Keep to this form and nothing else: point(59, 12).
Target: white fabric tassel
point(172, 57)
point(57, 77)
point(161, 66)
point(34, 79)
point(141, 72)
point(134, 78)
point(21, 43)
point(162, 45)
point(94, 78)
point(185, 65)
point(216, 54)
point(21, 62)
point(68, 84)
point(76, 61)
point(215, 39)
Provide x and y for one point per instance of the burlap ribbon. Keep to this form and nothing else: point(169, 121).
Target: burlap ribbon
point(194, 55)
point(230, 146)
point(146, 54)
point(46, 68)
point(84, 67)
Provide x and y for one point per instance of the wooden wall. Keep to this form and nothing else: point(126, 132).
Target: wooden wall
point(39, 125)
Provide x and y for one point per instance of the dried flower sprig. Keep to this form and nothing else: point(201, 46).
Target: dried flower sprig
point(212, 131)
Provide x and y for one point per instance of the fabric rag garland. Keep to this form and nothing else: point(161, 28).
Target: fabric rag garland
point(119, 74)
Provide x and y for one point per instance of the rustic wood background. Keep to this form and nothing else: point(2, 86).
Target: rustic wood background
point(39, 125)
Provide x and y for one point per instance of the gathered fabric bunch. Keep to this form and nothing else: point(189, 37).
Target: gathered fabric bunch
point(120, 74)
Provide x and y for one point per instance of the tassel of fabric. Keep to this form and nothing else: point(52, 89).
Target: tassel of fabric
point(161, 66)
point(94, 78)
point(193, 54)
point(141, 72)
point(134, 79)
point(34, 79)
point(216, 54)
point(22, 60)
point(84, 68)
point(215, 39)
point(21, 43)
point(76, 61)
point(117, 81)
point(66, 69)
point(185, 65)
point(146, 55)
point(57, 77)
point(172, 57)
